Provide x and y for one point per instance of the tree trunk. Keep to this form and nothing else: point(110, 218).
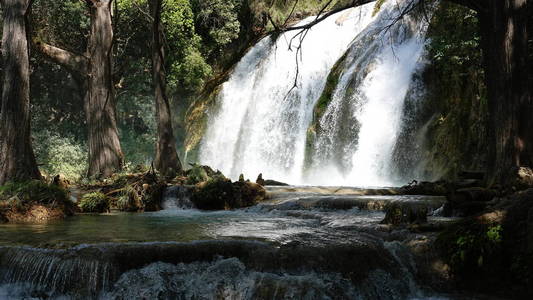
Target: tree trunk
point(17, 161)
point(166, 157)
point(105, 153)
point(505, 49)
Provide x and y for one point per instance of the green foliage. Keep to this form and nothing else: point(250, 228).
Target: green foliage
point(95, 202)
point(33, 191)
point(456, 49)
point(217, 22)
point(457, 92)
point(60, 154)
point(494, 234)
point(196, 175)
point(51, 19)
point(472, 247)
point(126, 201)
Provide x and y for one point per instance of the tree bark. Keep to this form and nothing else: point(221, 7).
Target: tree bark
point(166, 157)
point(505, 50)
point(105, 153)
point(93, 71)
point(17, 160)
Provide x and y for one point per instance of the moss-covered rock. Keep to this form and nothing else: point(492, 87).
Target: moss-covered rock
point(219, 193)
point(196, 175)
point(95, 202)
point(33, 201)
point(248, 193)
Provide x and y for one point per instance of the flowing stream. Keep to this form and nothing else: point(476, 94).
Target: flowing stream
point(262, 124)
point(304, 243)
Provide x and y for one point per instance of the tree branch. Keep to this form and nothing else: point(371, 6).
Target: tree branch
point(321, 17)
point(74, 63)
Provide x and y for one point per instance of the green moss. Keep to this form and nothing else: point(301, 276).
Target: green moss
point(33, 191)
point(329, 89)
point(214, 194)
point(196, 175)
point(95, 202)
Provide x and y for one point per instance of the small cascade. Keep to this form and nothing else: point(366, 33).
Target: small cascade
point(366, 269)
point(56, 271)
point(177, 198)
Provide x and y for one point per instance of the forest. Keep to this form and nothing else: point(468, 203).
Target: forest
point(266, 149)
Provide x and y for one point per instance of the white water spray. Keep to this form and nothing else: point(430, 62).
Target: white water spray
point(256, 128)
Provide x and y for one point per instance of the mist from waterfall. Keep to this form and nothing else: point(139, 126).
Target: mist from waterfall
point(260, 124)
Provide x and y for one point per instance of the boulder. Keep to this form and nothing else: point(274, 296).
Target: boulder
point(248, 193)
point(215, 194)
point(219, 193)
point(269, 182)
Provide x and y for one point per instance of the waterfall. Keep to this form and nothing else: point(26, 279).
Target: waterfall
point(357, 134)
point(260, 124)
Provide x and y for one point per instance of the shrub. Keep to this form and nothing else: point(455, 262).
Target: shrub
point(94, 202)
point(33, 191)
point(196, 175)
point(60, 155)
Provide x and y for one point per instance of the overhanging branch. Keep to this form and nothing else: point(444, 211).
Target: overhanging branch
point(74, 63)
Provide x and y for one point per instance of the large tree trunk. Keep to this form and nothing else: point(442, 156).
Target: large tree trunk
point(93, 72)
point(105, 154)
point(166, 157)
point(17, 161)
point(504, 38)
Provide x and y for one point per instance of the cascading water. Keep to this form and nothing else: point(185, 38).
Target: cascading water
point(370, 98)
point(261, 126)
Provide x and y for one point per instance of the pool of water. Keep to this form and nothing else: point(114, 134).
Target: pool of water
point(315, 214)
point(262, 223)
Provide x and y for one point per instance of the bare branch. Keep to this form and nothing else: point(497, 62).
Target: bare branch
point(74, 63)
point(322, 16)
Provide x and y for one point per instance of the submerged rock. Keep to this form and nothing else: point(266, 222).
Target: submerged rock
point(403, 212)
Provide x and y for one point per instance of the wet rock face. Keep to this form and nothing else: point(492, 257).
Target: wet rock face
point(209, 270)
point(226, 279)
point(425, 188)
point(468, 201)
